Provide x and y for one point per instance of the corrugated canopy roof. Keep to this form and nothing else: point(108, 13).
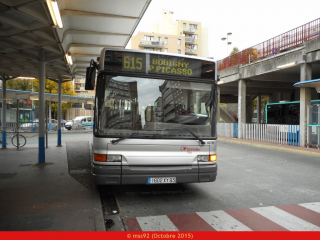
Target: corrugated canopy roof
point(88, 26)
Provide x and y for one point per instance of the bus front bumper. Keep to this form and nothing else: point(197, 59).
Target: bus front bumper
point(123, 175)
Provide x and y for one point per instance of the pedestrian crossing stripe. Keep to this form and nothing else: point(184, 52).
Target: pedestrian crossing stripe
point(300, 217)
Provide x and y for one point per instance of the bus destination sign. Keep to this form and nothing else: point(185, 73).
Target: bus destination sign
point(154, 64)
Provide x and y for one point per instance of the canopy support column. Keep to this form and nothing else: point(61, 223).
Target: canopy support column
point(59, 111)
point(4, 111)
point(42, 65)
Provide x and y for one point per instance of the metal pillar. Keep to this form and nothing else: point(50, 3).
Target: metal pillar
point(259, 109)
point(49, 115)
point(218, 108)
point(18, 121)
point(92, 116)
point(4, 112)
point(305, 99)
point(46, 121)
point(42, 64)
point(241, 106)
point(59, 111)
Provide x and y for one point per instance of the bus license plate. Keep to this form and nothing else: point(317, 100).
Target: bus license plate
point(162, 180)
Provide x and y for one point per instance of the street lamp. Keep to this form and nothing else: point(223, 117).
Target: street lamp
point(227, 38)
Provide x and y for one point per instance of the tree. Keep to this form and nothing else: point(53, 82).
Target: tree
point(20, 84)
point(264, 101)
point(234, 57)
point(234, 51)
point(50, 87)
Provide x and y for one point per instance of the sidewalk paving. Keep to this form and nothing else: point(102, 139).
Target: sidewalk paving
point(288, 148)
point(44, 197)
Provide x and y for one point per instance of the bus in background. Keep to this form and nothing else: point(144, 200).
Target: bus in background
point(285, 112)
point(155, 118)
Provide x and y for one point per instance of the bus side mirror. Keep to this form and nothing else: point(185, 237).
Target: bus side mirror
point(90, 78)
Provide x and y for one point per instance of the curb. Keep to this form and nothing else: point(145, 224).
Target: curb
point(272, 147)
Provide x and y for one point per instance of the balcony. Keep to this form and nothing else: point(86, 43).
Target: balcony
point(146, 43)
point(189, 30)
point(190, 39)
point(190, 51)
point(76, 89)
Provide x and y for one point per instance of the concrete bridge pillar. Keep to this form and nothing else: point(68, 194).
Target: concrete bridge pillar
point(241, 105)
point(305, 98)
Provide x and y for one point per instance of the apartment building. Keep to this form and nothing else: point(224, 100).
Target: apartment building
point(81, 109)
point(174, 36)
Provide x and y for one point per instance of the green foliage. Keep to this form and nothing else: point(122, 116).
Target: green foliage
point(20, 84)
point(264, 101)
point(234, 51)
point(50, 87)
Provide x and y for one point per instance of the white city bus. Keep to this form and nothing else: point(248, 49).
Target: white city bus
point(155, 118)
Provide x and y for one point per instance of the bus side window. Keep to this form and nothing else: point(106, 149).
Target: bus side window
point(89, 119)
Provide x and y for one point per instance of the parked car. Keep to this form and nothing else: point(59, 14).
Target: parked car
point(78, 123)
point(68, 125)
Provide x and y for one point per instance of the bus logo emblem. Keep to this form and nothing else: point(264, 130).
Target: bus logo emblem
point(189, 150)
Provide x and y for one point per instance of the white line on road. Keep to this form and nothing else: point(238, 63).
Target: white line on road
point(221, 221)
point(285, 219)
point(312, 206)
point(156, 223)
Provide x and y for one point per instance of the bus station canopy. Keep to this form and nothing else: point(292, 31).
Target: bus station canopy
point(27, 95)
point(28, 26)
point(311, 83)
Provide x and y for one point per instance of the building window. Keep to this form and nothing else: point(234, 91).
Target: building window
point(159, 39)
point(166, 50)
point(149, 49)
point(82, 84)
point(149, 38)
point(184, 25)
point(179, 51)
point(165, 40)
point(195, 36)
point(159, 49)
point(194, 26)
point(179, 42)
point(193, 46)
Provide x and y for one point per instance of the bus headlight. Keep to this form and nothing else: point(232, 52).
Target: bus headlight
point(207, 158)
point(113, 158)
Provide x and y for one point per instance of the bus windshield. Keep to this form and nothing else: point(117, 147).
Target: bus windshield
point(126, 105)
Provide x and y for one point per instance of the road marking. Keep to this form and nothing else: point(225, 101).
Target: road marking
point(156, 223)
point(221, 221)
point(302, 217)
point(190, 222)
point(312, 206)
point(285, 219)
point(254, 221)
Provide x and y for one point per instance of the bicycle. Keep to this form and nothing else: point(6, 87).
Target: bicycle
point(14, 139)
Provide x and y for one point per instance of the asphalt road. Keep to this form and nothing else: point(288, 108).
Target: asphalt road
point(247, 177)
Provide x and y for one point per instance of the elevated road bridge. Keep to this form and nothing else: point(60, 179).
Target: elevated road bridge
point(273, 73)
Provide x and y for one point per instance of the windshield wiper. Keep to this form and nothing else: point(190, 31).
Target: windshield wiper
point(132, 135)
point(195, 136)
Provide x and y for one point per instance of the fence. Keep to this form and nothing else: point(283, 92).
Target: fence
point(285, 41)
point(279, 134)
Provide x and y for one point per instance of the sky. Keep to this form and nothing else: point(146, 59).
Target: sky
point(250, 21)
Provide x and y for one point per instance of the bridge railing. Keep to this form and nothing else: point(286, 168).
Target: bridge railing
point(280, 43)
